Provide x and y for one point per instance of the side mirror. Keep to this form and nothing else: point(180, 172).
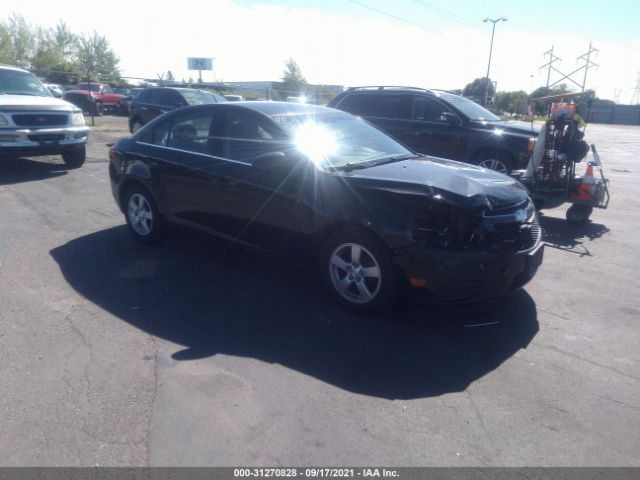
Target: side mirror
point(274, 162)
point(177, 105)
point(450, 118)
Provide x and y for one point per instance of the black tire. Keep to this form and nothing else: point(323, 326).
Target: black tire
point(383, 290)
point(498, 161)
point(98, 109)
point(75, 158)
point(578, 214)
point(145, 230)
point(135, 125)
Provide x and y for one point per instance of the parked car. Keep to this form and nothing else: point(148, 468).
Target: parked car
point(97, 96)
point(312, 182)
point(152, 102)
point(126, 101)
point(442, 124)
point(33, 122)
point(55, 89)
point(234, 98)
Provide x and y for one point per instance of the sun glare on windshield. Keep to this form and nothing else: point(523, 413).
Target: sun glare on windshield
point(316, 141)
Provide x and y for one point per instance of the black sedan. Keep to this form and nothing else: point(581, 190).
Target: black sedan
point(311, 182)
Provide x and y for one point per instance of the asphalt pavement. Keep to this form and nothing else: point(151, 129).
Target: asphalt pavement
point(118, 354)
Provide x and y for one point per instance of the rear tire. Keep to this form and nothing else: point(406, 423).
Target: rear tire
point(75, 158)
point(357, 270)
point(143, 217)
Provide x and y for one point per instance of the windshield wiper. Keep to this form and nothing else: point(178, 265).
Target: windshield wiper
point(395, 158)
point(374, 163)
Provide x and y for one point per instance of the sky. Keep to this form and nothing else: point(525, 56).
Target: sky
point(423, 43)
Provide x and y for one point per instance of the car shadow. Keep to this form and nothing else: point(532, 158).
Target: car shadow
point(20, 170)
point(197, 293)
point(560, 234)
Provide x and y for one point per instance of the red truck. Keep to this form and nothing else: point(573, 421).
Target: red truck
point(97, 96)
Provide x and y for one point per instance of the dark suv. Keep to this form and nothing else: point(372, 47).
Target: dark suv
point(442, 124)
point(152, 102)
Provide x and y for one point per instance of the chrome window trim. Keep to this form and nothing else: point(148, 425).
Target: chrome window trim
point(194, 153)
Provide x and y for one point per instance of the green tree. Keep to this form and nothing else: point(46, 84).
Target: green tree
point(170, 76)
point(96, 58)
point(293, 81)
point(542, 106)
point(475, 90)
point(512, 102)
point(17, 41)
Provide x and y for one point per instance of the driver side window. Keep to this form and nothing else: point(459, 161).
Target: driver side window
point(427, 110)
point(246, 135)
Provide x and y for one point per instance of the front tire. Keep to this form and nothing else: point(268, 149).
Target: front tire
point(498, 162)
point(136, 125)
point(98, 109)
point(143, 217)
point(357, 270)
point(578, 214)
point(75, 158)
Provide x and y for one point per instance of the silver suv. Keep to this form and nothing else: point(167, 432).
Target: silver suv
point(33, 122)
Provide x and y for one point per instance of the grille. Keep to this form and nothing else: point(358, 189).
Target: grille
point(39, 120)
point(508, 210)
point(528, 235)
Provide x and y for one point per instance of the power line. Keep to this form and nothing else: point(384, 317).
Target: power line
point(446, 13)
point(395, 17)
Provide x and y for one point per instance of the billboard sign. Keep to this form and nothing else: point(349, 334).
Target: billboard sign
point(195, 63)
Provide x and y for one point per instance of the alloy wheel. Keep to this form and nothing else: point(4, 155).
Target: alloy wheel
point(140, 214)
point(355, 273)
point(493, 164)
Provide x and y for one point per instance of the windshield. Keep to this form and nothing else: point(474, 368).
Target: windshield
point(13, 82)
point(197, 97)
point(334, 140)
point(469, 108)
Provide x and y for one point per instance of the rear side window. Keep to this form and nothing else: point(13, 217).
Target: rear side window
point(374, 105)
point(143, 96)
point(191, 132)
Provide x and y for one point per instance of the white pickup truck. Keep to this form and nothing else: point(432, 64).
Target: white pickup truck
point(33, 122)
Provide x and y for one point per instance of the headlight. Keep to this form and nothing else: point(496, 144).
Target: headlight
point(448, 228)
point(3, 121)
point(77, 119)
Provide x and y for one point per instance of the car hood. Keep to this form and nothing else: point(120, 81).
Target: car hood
point(30, 102)
point(513, 127)
point(457, 184)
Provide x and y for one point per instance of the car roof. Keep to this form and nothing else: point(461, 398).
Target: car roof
point(282, 108)
point(5, 66)
point(377, 89)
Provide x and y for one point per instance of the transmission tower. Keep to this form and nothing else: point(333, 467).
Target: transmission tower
point(588, 63)
point(636, 92)
point(552, 59)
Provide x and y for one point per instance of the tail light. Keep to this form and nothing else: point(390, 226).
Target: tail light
point(532, 143)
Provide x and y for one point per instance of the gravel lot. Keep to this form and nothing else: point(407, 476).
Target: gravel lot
point(185, 354)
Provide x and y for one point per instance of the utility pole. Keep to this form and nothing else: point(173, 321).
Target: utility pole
point(552, 59)
point(493, 31)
